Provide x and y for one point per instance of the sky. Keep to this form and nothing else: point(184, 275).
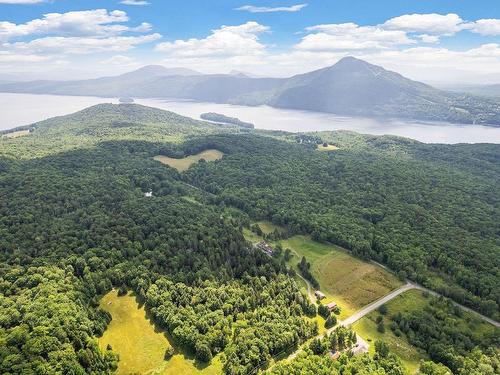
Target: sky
point(441, 41)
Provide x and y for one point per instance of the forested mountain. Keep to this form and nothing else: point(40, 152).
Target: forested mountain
point(350, 87)
point(75, 222)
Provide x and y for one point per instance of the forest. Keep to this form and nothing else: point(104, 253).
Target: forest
point(75, 222)
point(431, 213)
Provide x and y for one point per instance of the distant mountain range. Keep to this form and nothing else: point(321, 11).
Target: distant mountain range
point(351, 87)
point(492, 90)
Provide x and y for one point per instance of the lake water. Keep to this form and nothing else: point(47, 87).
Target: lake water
point(23, 109)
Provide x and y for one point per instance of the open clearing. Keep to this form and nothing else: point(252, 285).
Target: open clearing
point(328, 147)
point(351, 282)
point(268, 227)
point(183, 164)
point(20, 133)
point(140, 344)
point(367, 328)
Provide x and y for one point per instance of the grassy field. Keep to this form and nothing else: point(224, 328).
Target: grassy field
point(350, 282)
point(141, 345)
point(268, 227)
point(367, 329)
point(328, 147)
point(20, 133)
point(183, 164)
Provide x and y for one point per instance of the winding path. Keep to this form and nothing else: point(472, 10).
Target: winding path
point(310, 293)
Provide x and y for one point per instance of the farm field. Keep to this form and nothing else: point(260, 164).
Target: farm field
point(140, 344)
point(183, 164)
point(351, 282)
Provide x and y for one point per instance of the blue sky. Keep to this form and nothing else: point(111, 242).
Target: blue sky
point(433, 40)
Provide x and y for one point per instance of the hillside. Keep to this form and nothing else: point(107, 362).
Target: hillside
point(105, 122)
point(350, 87)
point(77, 222)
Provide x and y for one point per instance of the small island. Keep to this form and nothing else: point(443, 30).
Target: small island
point(217, 117)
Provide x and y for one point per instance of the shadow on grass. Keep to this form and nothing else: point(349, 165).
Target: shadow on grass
point(186, 353)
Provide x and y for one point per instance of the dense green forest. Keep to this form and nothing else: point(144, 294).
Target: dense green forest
point(430, 212)
point(75, 222)
point(437, 330)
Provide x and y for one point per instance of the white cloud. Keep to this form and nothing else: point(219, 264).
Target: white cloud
point(241, 40)
point(349, 36)
point(117, 60)
point(97, 22)
point(80, 32)
point(256, 9)
point(426, 38)
point(485, 26)
point(432, 23)
point(81, 45)
point(135, 2)
point(9, 57)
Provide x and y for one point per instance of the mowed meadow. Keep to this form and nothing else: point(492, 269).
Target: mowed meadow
point(349, 281)
point(183, 164)
point(141, 345)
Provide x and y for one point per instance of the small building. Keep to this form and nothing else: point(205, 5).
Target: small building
point(148, 194)
point(265, 248)
point(319, 295)
point(331, 306)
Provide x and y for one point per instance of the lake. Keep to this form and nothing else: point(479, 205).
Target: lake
point(23, 109)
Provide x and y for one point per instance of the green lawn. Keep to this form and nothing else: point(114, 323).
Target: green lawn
point(183, 164)
point(351, 282)
point(141, 345)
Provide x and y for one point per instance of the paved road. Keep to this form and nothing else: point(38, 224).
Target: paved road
point(465, 308)
point(376, 304)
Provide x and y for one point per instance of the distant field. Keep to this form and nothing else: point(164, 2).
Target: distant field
point(268, 227)
point(141, 345)
point(20, 133)
point(329, 147)
point(183, 164)
point(350, 282)
point(367, 329)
